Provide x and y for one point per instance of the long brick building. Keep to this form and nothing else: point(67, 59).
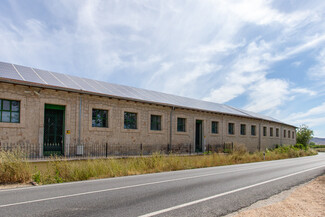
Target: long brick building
point(42, 107)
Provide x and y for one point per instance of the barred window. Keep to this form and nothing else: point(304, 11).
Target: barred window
point(155, 122)
point(271, 131)
point(264, 131)
point(284, 133)
point(130, 120)
point(181, 127)
point(277, 132)
point(214, 127)
point(9, 111)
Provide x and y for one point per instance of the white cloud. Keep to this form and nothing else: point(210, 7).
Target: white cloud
point(315, 111)
point(216, 50)
point(267, 95)
point(317, 72)
point(304, 91)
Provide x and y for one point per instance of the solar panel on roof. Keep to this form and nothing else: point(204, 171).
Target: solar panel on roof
point(7, 71)
point(83, 84)
point(65, 79)
point(50, 79)
point(28, 74)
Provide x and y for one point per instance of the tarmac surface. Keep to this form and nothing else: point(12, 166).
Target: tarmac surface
point(213, 191)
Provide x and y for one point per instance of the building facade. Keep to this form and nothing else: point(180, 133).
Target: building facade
point(43, 114)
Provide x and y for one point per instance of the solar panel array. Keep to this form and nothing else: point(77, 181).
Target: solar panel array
point(47, 78)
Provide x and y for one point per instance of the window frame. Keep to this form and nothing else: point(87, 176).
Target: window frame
point(264, 131)
point(178, 125)
point(253, 127)
point(277, 132)
point(136, 120)
point(271, 131)
point(242, 129)
point(11, 111)
point(284, 133)
point(107, 118)
point(159, 128)
point(231, 130)
point(215, 130)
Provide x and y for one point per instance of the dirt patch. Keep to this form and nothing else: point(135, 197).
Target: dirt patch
point(305, 200)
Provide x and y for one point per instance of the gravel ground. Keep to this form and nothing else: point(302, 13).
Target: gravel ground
point(305, 200)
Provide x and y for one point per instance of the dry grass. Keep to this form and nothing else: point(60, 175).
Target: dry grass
point(61, 170)
point(13, 168)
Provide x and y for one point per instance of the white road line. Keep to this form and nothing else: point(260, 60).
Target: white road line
point(124, 187)
point(252, 166)
point(223, 194)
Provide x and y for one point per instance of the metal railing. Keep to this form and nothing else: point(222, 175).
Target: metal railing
point(105, 150)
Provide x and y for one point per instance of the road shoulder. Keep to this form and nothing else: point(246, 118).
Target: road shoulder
point(307, 199)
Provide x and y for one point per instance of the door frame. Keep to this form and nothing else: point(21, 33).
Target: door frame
point(60, 108)
point(202, 135)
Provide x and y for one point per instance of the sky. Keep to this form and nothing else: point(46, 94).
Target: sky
point(263, 56)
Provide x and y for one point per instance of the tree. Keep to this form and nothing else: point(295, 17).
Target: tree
point(304, 135)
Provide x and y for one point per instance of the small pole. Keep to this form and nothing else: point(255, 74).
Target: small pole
point(264, 155)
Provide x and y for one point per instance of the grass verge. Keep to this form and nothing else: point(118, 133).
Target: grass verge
point(60, 170)
point(13, 168)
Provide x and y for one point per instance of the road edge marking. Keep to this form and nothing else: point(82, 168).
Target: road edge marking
point(124, 187)
point(223, 194)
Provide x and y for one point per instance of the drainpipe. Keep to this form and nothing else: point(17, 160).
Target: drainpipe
point(79, 138)
point(171, 127)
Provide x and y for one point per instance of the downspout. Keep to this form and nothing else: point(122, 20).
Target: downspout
point(171, 128)
point(79, 138)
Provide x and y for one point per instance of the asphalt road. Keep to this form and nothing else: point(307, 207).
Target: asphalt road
point(213, 191)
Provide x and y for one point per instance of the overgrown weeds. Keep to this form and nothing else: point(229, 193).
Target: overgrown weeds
point(59, 170)
point(13, 168)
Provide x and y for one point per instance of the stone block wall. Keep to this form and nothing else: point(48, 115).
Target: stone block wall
point(31, 126)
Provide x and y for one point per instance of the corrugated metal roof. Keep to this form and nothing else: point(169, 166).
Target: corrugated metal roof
point(54, 80)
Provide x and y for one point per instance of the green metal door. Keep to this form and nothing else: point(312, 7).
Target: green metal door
point(198, 136)
point(53, 130)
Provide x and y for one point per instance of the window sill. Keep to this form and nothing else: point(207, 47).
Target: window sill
point(100, 129)
point(157, 132)
point(123, 130)
point(181, 133)
point(12, 125)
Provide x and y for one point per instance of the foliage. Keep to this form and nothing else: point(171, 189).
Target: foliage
point(312, 143)
point(62, 170)
point(304, 135)
point(13, 168)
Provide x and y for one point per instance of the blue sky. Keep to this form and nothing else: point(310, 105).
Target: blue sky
point(263, 56)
